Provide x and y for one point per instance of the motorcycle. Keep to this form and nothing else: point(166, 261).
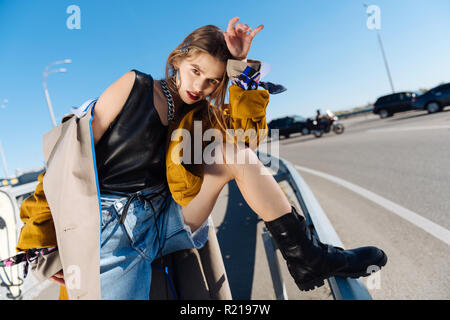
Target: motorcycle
point(325, 123)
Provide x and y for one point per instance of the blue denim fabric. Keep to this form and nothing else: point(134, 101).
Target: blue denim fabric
point(127, 250)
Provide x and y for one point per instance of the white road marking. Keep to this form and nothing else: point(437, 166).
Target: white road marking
point(410, 128)
point(432, 228)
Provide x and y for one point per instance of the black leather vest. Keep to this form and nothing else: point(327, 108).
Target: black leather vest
point(130, 156)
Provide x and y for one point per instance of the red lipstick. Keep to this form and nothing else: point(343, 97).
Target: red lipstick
point(192, 96)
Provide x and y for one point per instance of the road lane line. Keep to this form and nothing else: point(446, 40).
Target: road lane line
point(410, 128)
point(432, 228)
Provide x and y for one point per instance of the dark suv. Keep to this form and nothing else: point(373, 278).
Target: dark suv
point(433, 100)
point(386, 106)
point(289, 125)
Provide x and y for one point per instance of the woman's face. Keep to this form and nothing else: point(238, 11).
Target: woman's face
point(200, 75)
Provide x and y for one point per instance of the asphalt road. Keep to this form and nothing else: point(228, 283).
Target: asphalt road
point(386, 182)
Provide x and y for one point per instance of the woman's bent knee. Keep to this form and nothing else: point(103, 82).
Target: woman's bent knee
point(238, 158)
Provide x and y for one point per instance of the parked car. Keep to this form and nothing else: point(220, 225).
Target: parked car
point(289, 125)
point(386, 106)
point(433, 100)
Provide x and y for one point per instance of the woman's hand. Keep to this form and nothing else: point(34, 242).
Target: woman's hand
point(239, 38)
point(58, 278)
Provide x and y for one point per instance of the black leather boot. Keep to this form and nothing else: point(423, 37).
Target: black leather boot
point(310, 261)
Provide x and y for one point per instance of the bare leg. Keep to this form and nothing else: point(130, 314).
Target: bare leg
point(311, 262)
point(261, 192)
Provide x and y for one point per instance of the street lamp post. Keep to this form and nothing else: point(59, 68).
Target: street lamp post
point(380, 42)
point(385, 61)
point(45, 74)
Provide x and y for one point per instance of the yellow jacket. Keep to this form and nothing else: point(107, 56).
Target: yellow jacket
point(246, 111)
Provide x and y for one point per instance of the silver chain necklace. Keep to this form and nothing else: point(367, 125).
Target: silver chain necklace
point(171, 113)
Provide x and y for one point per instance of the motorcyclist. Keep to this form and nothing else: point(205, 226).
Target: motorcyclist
point(318, 115)
point(323, 121)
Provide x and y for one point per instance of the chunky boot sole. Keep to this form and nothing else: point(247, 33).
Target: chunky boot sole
point(311, 285)
point(379, 264)
point(319, 282)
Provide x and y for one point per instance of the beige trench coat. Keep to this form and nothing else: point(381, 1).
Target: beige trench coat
point(71, 189)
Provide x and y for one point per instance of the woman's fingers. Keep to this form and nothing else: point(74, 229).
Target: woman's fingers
point(230, 30)
point(241, 28)
point(59, 274)
point(258, 29)
point(58, 278)
point(239, 37)
point(235, 29)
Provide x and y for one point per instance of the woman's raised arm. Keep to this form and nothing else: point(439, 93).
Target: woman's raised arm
point(110, 103)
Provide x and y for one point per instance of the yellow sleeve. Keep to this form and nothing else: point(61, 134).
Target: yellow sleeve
point(39, 230)
point(247, 114)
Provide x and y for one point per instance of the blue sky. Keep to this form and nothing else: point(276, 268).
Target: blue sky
point(322, 51)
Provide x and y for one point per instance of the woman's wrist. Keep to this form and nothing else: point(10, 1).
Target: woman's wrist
point(244, 73)
point(235, 67)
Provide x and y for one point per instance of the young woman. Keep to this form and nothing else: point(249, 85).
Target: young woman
point(154, 203)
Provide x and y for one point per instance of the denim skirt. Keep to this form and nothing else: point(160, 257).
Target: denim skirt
point(150, 229)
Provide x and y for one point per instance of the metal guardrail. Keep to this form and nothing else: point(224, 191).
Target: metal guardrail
point(354, 113)
point(22, 189)
point(316, 219)
point(9, 277)
point(12, 196)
